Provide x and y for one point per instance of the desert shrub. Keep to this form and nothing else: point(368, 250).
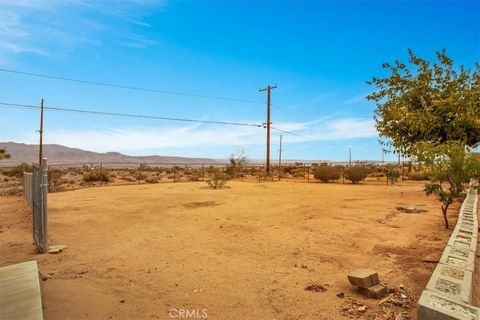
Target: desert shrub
point(17, 171)
point(152, 180)
point(326, 173)
point(96, 175)
point(139, 175)
point(298, 172)
point(128, 178)
point(193, 177)
point(356, 174)
point(418, 176)
point(236, 164)
point(392, 173)
point(55, 176)
point(217, 179)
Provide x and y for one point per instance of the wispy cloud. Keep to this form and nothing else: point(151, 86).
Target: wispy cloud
point(356, 99)
point(185, 137)
point(52, 27)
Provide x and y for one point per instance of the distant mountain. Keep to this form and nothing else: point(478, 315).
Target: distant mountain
point(58, 154)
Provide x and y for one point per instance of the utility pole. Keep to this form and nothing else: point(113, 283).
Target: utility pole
point(350, 157)
point(40, 150)
point(267, 162)
point(383, 157)
point(280, 152)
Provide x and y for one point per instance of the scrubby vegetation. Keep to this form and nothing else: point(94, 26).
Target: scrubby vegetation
point(355, 174)
point(218, 179)
point(96, 175)
point(326, 173)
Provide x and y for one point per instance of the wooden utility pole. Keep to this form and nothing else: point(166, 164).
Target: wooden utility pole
point(350, 157)
point(267, 162)
point(40, 149)
point(280, 152)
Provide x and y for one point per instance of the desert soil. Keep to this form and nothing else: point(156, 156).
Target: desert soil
point(244, 252)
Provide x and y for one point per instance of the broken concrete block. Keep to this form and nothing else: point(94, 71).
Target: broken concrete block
point(432, 305)
point(377, 291)
point(452, 282)
point(56, 248)
point(363, 278)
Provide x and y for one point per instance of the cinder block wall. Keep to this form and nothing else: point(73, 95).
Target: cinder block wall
point(449, 291)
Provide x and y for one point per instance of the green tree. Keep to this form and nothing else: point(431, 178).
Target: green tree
point(422, 101)
point(452, 166)
point(4, 154)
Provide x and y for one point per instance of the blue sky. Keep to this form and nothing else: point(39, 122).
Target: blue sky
point(319, 54)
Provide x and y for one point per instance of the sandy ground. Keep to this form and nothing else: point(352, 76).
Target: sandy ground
point(243, 252)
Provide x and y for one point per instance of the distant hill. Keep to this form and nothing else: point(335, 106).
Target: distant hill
point(58, 154)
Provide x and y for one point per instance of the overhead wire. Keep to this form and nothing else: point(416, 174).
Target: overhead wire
point(106, 113)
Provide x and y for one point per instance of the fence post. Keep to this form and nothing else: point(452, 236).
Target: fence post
point(101, 173)
point(44, 207)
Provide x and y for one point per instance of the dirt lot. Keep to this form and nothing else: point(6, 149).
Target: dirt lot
point(244, 252)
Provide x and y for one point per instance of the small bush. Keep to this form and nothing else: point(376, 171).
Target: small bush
point(326, 173)
point(193, 177)
point(356, 174)
point(17, 171)
point(139, 175)
point(128, 178)
point(95, 175)
point(152, 180)
point(418, 176)
point(218, 179)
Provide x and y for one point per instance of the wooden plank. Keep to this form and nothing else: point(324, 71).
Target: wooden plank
point(20, 292)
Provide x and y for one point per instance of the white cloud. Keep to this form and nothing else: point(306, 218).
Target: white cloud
point(204, 136)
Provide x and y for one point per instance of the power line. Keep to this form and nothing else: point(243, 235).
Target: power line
point(121, 86)
point(104, 113)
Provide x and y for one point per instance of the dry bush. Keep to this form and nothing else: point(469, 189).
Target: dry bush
point(152, 179)
point(139, 175)
point(418, 176)
point(128, 178)
point(326, 173)
point(218, 179)
point(96, 175)
point(356, 174)
point(17, 171)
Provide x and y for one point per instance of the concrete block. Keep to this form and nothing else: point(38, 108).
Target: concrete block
point(463, 241)
point(458, 258)
point(432, 305)
point(20, 292)
point(376, 291)
point(363, 278)
point(467, 227)
point(452, 282)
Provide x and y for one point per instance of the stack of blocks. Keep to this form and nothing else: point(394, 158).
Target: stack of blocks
point(368, 283)
point(448, 294)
